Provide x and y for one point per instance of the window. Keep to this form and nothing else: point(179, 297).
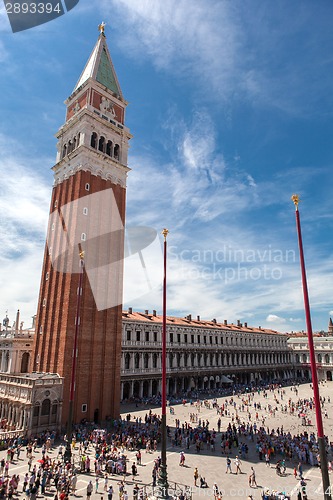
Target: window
point(40, 329)
point(44, 302)
point(127, 361)
point(205, 339)
point(185, 338)
point(101, 144)
point(46, 276)
point(138, 336)
point(55, 204)
point(93, 140)
point(83, 237)
point(319, 358)
point(145, 360)
point(53, 226)
point(109, 148)
point(136, 360)
point(85, 211)
point(154, 360)
point(84, 408)
point(46, 406)
point(178, 338)
point(192, 339)
point(155, 336)
point(171, 337)
point(216, 340)
point(210, 340)
point(87, 187)
point(147, 336)
point(198, 339)
point(128, 335)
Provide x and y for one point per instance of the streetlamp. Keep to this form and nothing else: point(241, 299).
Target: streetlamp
point(319, 419)
point(163, 476)
point(68, 453)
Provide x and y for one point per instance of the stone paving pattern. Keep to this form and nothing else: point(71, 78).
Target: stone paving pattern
point(210, 464)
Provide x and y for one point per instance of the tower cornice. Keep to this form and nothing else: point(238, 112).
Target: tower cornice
point(90, 160)
point(88, 111)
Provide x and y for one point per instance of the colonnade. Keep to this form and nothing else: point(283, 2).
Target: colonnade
point(178, 385)
point(135, 360)
point(14, 416)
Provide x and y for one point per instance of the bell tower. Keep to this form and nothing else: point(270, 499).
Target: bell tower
point(87, 214)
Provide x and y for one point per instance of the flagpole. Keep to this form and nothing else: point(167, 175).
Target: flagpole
point(163, 477)
point(319, 419)
point(68, 452)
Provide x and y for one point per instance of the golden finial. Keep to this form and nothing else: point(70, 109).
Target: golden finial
point(165, 233)
point(101, 27)
point(296, 200)
point(81, 253)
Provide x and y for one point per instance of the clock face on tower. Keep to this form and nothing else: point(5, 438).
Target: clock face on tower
point(105, 74)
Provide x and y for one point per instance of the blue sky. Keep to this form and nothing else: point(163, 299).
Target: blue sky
point(230, 105)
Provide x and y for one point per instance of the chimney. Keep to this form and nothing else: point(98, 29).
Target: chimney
point(238, 323)
point(198, 318)
point(130, 310)
point(189, 317)
point(33, 321)
point(245, 324)
point(214, 320)
point(146, 312)
point(154, 312)
point(259, 327)
point(17, 321)
point(225, 322)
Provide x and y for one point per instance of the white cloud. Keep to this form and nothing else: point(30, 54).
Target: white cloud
point(4, 26)
point(228, 52)
point(273, 318)
point(24, 203)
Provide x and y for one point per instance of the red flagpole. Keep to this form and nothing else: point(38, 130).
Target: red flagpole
point(163, 477)
point(165, 233)
point(68, 453)
point(319, 419)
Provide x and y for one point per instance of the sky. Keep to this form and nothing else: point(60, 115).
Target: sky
point(230, 107)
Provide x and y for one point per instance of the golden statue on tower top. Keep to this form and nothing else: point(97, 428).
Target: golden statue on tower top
point(295, 199)
point(101, 27)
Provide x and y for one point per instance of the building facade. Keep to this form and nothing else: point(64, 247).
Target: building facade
point(201, 355)
point(86, 240)
point(29, 403)
point(323, 346)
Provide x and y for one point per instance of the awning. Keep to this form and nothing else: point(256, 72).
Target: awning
point(226, 380)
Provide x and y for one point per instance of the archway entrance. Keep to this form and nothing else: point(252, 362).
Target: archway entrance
point(154, 388)
point(126, 390)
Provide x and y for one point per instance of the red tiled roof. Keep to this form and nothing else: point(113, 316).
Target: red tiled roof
point(172, 320)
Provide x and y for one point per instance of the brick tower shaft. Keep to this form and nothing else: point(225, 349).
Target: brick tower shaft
point(87, 213)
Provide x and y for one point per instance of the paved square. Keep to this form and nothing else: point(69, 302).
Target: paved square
point(212, 464)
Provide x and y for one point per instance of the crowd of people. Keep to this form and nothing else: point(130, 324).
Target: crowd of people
point(240, 421)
